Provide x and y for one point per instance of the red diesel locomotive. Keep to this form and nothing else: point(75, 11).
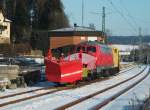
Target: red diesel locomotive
point(90, 60)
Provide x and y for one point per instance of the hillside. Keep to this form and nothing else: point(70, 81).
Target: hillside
point(127, 39)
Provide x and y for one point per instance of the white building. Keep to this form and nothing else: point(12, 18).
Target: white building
point(125, 50)
point(4, 29)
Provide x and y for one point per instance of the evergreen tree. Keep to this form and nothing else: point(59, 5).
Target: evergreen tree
point(2, 4)
point(21, 20)
point(10, 9)
point(53, 16)
point(30, 15)
point(21, 13)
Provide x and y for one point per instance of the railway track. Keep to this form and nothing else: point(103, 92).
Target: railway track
point(33, 96)
point(101, 104)
point(110, 99)
point(126, 66)
point(47, 88)
point(45, 91)
point(125, 70)
point(20, 93)
point(41, 92)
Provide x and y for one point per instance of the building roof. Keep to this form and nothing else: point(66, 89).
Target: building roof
point(77, 28)
point(7, 20)
point(2, 10)
point(4, 14)
point(74, 31)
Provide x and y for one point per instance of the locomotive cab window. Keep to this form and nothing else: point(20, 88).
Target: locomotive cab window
point(106, 49)
point(91, 49)
point(80, 48)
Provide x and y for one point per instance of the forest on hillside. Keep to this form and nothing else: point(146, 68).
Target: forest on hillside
point(28, 16)
point(133, 40)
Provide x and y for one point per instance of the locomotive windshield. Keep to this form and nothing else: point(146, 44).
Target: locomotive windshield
point(91, 49)
point(86, 49)
point(81, 48)
point(106, 49)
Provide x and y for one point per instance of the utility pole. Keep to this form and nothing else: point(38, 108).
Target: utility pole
point(140, 44)
point(103, 25)
point(140, 32)
point(82, 12)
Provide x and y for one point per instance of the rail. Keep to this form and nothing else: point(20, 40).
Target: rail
point(96, 93)
point(56, 89)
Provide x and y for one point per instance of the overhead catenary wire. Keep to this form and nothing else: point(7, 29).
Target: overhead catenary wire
point(141, 20)
point(134, 19)
point(134, 30)
point(128, 14)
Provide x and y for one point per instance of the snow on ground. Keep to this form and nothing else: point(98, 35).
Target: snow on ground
point(52, 101)
point(126, 101)
point(126, 63)
point(18, 90)
point(36, 86)
point(12, 91)
point(24, 95)
point(101, 97)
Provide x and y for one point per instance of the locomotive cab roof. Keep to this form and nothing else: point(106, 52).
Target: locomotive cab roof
point(94, 43)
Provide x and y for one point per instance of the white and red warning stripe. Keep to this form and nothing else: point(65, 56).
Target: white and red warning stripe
point(73, 73)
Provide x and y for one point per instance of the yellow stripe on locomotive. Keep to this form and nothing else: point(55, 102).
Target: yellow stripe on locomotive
point(116, 58)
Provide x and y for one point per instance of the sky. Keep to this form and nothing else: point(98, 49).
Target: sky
point(123, 17)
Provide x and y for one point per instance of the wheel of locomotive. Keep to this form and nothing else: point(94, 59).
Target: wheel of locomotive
point(108, 72)
point(105, 73)
point(95, 76)
point(58, 84)
point(89, 77)
point(118, 69)
point(77, 82)
point(115, 70)
point(112, 71)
